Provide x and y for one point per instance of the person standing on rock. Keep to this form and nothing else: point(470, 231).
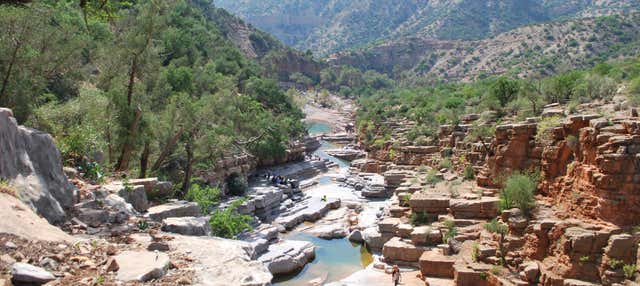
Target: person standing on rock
point(395, 275)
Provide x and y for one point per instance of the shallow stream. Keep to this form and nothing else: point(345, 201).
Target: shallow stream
point(335, 259)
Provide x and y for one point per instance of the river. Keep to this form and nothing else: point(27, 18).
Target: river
point(337, 258)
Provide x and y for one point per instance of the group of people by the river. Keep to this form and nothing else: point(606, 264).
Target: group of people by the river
point(277, 180)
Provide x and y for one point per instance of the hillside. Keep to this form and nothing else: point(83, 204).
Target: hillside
point(536, 49)
point(328, 26)
point(279, 60)
point(149, 88)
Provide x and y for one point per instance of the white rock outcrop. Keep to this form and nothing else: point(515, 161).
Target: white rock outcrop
point(30, 160)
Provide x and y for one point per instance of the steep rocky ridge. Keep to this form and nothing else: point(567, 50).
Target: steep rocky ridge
point(328, 26)
point(31, 162)
point(540, 49)
point(279, 60)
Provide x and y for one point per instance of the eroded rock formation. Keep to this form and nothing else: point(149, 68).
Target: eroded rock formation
point(31, 162)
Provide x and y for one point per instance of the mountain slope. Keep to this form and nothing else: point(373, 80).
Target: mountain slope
point(327, 26)
point(537, 49)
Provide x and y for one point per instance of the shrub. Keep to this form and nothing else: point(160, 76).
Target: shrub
point(423, 169)
point(228, 223)
point(545, 126)
point(206, 197)
point(451, 230)
point(629, 271)
point(446, 163)
point(585, 259)
point(468, 173)
point(518, 192)
point(432, 177)
point(500, 228)
point(419, 218)
point(453, 191)
point(496, 270)
point(634, 91)
point(236, 184)
point(92, 171)
point(475, 255)
point(615, 264)
point(406, 199)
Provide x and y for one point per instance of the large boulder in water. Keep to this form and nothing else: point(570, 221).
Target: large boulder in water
point(30, 160)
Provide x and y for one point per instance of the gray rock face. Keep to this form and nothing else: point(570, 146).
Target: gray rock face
point(141, 265)
point(136, 196)
point(308, 210)
point(329, 231)
point(174, 209)
point(222, 262)
point(356, 236)
point(93, 217)
point(29, 274)
point(187, 225)
point(32, 163)
point(287, 256)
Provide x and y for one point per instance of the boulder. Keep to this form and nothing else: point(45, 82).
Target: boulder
point(198, 226)
point(141, 265)
point(426, 235)
point(309, 210)
point(356, 236)
point(222, 262)
point(31, 162)
point(429, 203)
point(118, 203)
point(373, 238)
point(136, 196)
point(329, 231)
point(174, 209)
point(531, 271)
point(93, 217)
point(23, 273)
point(398, 249)
point(484, 208)
point(434, 264)
point(287, 256)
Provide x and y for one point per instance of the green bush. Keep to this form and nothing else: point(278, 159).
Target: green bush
point(468, 173)
point(629, 271)
point(228, 223)
point(206, 197)
point(419, 218)
point(446, 163)
point(450, 230)
point(518, 192)
point(432, 177)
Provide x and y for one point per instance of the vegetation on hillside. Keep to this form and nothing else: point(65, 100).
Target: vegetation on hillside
point(144, 87)
point(493, 98)
point(327, 26)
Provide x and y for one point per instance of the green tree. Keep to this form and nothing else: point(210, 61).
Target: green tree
point(505, 90)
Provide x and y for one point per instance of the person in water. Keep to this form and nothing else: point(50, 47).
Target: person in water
point(395, 275)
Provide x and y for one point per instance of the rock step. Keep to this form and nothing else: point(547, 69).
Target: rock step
point(435, 264)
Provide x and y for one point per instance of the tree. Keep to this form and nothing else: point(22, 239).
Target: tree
point(41, 46)
point(531, 91)
point(505, 90)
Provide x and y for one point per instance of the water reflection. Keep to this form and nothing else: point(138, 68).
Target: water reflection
point(335, 259)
